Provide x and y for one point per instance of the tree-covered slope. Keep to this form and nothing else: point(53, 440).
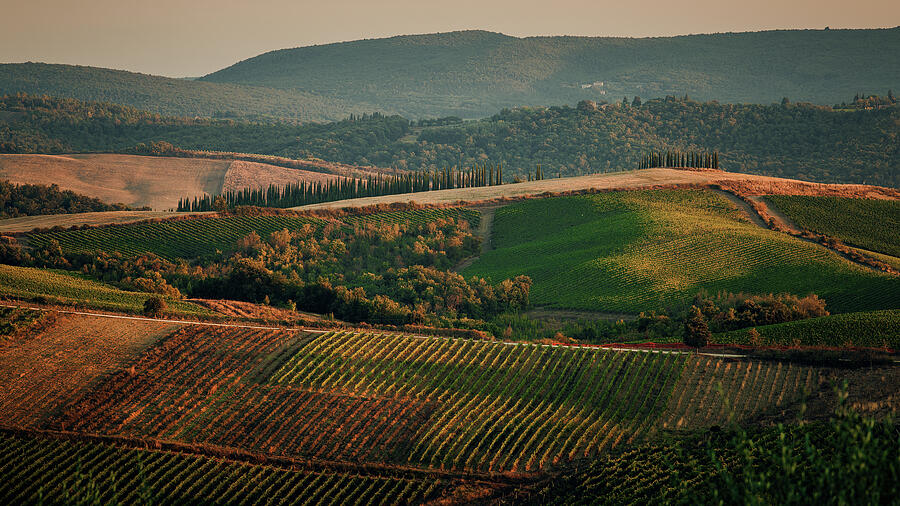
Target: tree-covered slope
point(794, 140)
point(473, 73)
point(172, 97)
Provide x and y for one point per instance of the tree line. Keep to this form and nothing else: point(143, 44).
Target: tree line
point(678, 159)
point(303, 193)
point(36, 199)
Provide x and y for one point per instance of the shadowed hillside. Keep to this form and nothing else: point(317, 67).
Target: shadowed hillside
point(473, 73)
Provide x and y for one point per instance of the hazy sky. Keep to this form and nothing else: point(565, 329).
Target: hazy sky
point(195, 37)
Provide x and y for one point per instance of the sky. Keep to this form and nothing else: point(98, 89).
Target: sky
point(195, 37)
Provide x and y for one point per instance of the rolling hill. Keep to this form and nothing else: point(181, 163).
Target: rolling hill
point(172, 97)
point(137, 181)
point(474, 73)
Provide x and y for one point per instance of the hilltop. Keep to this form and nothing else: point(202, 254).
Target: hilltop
point(172, 97)
point(474, 73)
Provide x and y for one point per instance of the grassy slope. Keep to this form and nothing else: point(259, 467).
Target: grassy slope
point(643, 250)
point(29, 283)
point(869, 224)
point(870, 328)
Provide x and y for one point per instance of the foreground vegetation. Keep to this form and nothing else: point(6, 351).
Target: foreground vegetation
point(639, 251)
point(83, 472)
point(868, 223)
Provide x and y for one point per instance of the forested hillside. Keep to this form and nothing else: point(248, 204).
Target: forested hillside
point(790, 140)
point(474, 73)
point(173, 97)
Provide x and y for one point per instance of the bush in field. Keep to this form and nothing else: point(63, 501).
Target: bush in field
point(155, 306)
point(696, 330)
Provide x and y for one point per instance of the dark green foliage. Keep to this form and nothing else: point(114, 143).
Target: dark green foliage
point(800, 141)
point(34, 199)
point(680, 160)
point(866, 223)
point(696, 330)
point(12, 320)
point(849, 460)
point(473, 73)
point(173, 97)
point(155, 306)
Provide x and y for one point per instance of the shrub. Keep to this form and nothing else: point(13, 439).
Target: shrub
point(155, 306)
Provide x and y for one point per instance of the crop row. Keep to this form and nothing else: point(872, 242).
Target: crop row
point(417, 216)
point(37, 470)
point(429, 402)
point(54, 286)
point(186, 238)
point(639, 251)
point(867, 223)
point(870, 329)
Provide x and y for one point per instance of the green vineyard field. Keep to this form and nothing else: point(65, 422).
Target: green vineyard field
point(868, 223)
point(638, 251)
point(874, 329)
point(58, 286)
point(438, 403)
point(37, 470)
point(201, 236)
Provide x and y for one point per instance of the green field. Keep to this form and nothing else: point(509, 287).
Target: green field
point(200, 236)
point(869, 329)
point(638, 251)
point(36, 470)
point(58, 286)
point(868, 223)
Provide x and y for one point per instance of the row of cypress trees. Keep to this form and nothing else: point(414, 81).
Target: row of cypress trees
point(693, 159)
point(303, 193)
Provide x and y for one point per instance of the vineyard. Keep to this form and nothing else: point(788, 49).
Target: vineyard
point(644, 250)
point(50, 286)
point(201, 236)
point(869, 329)
point(41, 374)
point(867, 223)
point(473, 406)
point(37, 470)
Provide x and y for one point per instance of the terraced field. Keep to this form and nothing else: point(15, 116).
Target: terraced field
point(638, 251)
point(60, 287)
point(868, 223)
point(463, 405)
point(37, 470)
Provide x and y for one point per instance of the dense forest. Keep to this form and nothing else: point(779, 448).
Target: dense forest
point(795, 140)
point(173, 97)
point(475, 73)
point(34, 199)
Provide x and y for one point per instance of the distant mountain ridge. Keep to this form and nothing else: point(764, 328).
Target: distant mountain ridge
point(475, 73)
point(172, 97)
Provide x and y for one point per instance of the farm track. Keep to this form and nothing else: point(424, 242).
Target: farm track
point(789, 226)
point(485, 225)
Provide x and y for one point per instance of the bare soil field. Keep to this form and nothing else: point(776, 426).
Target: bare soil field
point(242, 174)
point(65, 359)
point(645, 178)
point(138, 181)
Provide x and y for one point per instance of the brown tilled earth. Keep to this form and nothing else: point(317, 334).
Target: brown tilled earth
point(46, 369)
point(138, 181)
